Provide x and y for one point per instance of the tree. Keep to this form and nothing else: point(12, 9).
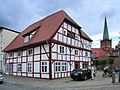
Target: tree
point(110, 60)
point(102, 62)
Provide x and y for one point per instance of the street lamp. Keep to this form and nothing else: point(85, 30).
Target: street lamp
point(119, 58)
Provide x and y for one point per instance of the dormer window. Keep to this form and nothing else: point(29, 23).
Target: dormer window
point(29, 35)
point(26, 39)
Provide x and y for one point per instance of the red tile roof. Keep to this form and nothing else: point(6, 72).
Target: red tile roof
point(99, 52)
point(47, 27)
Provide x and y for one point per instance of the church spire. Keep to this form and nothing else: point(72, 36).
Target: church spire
point(105, 35)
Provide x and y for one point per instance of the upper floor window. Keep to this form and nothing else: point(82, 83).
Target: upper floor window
point(73, 35)
point(11, 54)
point(19, 53)
point(30, 51)
point(26, 39)
point(61, 49)
point(76, 52)
point(29, 36)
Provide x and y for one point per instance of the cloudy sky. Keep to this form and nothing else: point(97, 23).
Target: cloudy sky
point(90, 14)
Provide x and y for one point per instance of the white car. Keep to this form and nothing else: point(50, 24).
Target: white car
point(1, 77)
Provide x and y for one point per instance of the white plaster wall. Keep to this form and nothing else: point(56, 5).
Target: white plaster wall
point(36, 50)
point(14, 67)
point(24, 67)
point(36, 66)
point(36, 57)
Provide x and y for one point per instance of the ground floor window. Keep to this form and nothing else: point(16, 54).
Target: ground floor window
point(29, 67)
point(19, 68)
point(85, 65)
point(60, 66)
point(64, 66)
point(57, 66)
point(44, 66)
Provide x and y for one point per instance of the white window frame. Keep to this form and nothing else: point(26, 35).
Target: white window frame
point(19, 53)
point(64, 66)
point(19, 67)
point(26, 39)
point(30, 51)
point(11, 54)
point(44, 67)
point(57, 67)
point(62, 50)
point(29, 67)
point(76, 52)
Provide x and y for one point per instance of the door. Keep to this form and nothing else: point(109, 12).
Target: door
point(77, 65)
point(10, 69)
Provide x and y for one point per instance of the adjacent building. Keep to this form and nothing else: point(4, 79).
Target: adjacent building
point(6, 37)
point(50, 48)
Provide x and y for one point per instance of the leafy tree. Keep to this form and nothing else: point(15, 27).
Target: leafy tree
point(110, 60)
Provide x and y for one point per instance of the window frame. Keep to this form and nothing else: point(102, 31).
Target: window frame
point(29, 67)
point(62, 49)
point(44, 67)
point(19, 67)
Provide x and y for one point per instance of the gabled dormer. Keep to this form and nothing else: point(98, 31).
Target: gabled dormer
point(27, 37)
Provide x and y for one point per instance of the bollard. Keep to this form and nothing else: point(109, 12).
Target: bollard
point(113, 77)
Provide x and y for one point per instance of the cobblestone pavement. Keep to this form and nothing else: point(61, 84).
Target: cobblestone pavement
point(23, 83)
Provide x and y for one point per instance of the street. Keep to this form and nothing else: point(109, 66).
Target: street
point(23, 83)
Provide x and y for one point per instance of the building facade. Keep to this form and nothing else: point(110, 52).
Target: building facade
point(6, 37)
point(50, 48)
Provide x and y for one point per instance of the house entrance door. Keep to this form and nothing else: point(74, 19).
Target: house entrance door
point(77, 65)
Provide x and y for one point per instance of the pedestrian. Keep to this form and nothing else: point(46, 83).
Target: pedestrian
point(92, 71)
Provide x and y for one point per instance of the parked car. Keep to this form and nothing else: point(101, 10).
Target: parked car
point(81, 74)
point(1, 77)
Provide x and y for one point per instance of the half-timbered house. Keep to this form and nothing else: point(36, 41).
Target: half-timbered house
point(50, 48)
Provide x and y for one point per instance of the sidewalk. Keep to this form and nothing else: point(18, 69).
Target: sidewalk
point(98, 82)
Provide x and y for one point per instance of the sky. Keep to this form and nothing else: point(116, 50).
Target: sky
point(89, 14)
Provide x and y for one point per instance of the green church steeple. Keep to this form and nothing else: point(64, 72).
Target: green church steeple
point(105, 35)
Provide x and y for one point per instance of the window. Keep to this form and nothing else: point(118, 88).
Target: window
point(65, 25)
point(26, 39)
point(29, 36)
point(29, 67)
point(68, 33)
point(44, 66)
point(19, 69)
point(19, 53)
point(30, 51)
point(11, 54)
point(85, 65)
point(61, 49)
point(64, 32)
point(76, 37)
point(64, 66)
point(73, 35)
point(69, 27)
point(76, 52)
point(57, 67)
point(86, 53)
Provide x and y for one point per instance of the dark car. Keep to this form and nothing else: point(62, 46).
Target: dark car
point(80, 74)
